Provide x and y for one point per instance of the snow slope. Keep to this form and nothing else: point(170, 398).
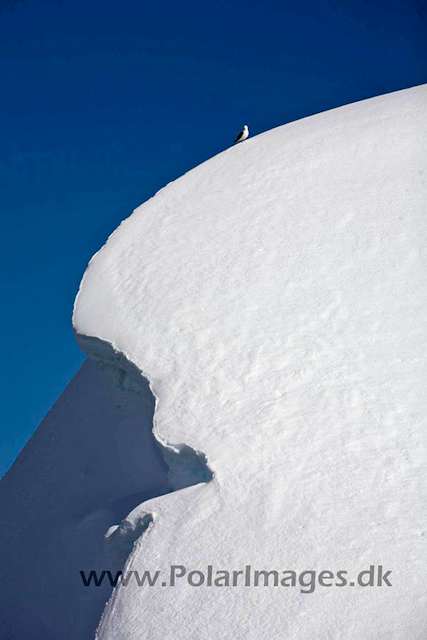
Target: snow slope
point(91, 460)
point(275, 299)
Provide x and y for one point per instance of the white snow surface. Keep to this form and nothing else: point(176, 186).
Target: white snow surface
point(275, 299)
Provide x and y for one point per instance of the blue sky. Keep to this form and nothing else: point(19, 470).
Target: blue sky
point(105, 101)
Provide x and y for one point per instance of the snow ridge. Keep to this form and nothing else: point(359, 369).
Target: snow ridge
point(274, 297)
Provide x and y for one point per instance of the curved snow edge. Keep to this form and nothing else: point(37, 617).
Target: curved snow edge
point(186, 466)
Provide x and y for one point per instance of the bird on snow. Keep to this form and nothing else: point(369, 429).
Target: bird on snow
point(243, 134)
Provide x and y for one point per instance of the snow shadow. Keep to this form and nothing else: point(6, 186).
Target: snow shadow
point(92, 460)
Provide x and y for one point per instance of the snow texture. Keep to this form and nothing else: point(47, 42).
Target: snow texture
point(274, 298)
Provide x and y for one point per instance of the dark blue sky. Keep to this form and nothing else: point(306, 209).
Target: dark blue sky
point(105, 101)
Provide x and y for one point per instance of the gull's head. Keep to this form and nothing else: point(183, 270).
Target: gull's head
point(246, 126)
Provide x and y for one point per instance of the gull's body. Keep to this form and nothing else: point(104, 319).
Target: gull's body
point(243, 134)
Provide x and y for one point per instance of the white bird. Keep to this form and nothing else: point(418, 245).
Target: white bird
point(243, 134)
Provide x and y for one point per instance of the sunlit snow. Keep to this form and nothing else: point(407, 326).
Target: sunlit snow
point(274, 300)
